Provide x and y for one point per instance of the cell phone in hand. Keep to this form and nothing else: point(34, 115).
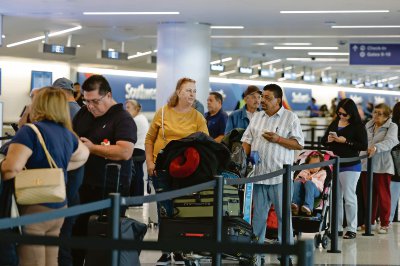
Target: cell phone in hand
point(333, 133)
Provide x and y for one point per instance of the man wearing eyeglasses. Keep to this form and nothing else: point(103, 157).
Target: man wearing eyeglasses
point(110, 134)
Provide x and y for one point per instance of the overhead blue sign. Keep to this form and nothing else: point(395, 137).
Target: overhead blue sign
point(374, 54)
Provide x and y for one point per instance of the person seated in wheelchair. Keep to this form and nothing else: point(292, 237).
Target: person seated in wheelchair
point(308, 185)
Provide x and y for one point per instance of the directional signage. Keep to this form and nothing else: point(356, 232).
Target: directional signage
point(374, 54)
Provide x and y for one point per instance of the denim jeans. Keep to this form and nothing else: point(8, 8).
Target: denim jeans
point(347, 191)
point(394, 194)
point(263, 197)
point(305, 193)
point(161, 184)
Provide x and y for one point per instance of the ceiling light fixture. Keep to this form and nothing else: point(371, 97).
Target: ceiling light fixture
point(227, 73)
point(138, 54)
point(332, 11)
point(227, 27)
point(260, 43)
point(300, 36)
point(56, 33)
point(128, 13)
point(223, 60)
point(3, 36)
point(296, 43)
point(271, 62)
point(366, 27)
point(307, 59)
point(326, 53)
point(305, 48)
point(393, 78)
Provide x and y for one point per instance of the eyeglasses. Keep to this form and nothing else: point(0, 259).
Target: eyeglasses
point(194, 91)
point(377, 113)
point(342, 114)
point(93, 102)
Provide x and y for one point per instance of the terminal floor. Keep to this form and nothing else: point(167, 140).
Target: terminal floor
point(364, 250)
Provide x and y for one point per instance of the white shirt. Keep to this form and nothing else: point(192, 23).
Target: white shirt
point(142, 126)
point(273, 155)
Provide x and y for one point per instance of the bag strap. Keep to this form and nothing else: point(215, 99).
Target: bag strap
point(41, 140)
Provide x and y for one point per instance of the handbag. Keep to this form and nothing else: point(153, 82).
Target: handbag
point(396, 159)
point(42, 185)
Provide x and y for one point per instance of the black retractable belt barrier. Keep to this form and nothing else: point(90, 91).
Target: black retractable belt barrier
point(114, 224)
point(334, 207)
point(218, 211)
point(286, 199)
point(368, 214)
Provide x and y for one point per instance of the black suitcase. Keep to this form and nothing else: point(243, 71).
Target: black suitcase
point(129, 229)
point(234, 229)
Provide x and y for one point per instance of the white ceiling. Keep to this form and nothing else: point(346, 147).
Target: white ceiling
point(262, 20)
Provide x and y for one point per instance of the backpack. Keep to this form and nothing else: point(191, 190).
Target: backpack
point(238, 159)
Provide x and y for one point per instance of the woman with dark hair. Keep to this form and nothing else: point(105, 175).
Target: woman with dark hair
point(395, 183)
point(382, 137)
point(346, 137)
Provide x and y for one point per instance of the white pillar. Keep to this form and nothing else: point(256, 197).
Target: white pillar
point(183, 50)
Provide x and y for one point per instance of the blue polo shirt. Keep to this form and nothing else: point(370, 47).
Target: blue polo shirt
point(216, 123)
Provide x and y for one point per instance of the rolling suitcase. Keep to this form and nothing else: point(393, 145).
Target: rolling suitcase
point(129, 228)
point(234, 229)
point(201, 204)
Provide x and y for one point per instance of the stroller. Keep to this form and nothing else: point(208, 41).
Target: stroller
point(317, 222)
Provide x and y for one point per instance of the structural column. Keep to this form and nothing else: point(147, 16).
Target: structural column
point(183, 50)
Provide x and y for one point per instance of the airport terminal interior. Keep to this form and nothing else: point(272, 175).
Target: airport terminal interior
point(318, 51)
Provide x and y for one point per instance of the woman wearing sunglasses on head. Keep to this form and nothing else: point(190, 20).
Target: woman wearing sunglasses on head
point(346, 137)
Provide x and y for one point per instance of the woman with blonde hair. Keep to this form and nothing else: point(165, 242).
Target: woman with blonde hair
point(50, 114)
point(175, 120)
point(138, 157)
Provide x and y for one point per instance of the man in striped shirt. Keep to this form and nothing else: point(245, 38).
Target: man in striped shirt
point(274, 133)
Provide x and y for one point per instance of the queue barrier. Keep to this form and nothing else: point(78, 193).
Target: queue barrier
point(303, 249)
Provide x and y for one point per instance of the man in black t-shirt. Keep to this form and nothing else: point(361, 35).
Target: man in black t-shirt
point(110, 133)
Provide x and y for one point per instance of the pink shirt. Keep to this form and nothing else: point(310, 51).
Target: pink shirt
point(317, 178)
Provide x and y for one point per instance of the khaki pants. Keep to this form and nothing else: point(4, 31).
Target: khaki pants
point(35, 255)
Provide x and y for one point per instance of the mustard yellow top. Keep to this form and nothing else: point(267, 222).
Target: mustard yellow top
point(176, 126)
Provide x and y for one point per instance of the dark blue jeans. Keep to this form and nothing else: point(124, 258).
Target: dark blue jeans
point(75, 178)
point(161, 184)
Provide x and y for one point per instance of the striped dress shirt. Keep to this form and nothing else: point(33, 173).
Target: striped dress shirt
point(272, 155)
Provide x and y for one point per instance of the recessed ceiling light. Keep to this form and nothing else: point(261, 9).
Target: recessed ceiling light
point(223, 60)
point(128, 13)
point(155, 51)
point(366, 27)
point(333, 11)
point(305, 48)
point(307, 59)
point(302, 36)
point(326, 53)
point(3, 36)
point(42, 37)
point(78, 45)
point(227, 27)
point(138, 54)
point(296, 43)
point(260, 43)
point(111, 49)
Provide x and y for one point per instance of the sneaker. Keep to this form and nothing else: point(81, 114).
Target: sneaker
point(383, 230)
point(178, 259)
point(295, 209)
point(165, 259)
point(306, 210)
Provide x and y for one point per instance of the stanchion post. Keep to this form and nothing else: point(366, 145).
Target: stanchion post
point(305, 255)
point(312, 136)
point(368, 214)
point(218, 212)
point(113, 219)
point(286, 200)
point(334, 207)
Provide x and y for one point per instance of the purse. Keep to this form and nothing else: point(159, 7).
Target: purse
point(396, 159)
point(43, 185)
